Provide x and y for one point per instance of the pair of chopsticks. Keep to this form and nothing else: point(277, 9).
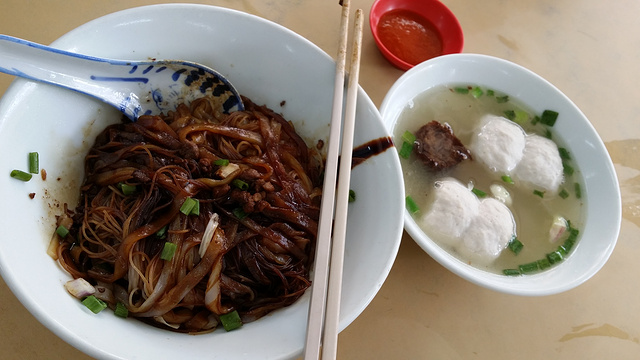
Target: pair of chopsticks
point(324, 308)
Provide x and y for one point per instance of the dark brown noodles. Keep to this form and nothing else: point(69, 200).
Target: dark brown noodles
point(259, 255)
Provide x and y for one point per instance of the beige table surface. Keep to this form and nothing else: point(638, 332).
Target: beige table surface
point(590, 49)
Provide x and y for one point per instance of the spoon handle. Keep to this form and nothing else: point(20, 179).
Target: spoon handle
point(81, 73)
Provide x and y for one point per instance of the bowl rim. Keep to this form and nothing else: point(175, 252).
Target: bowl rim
point(434, 12)
point(607, 177)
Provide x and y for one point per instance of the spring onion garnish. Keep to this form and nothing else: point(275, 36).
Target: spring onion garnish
point(406, 149)
point(461, 90)
point(20, 175)
point(162, 233)
point(479, 193)
point(510, 114)
point(535, 120)
point(502, 99)
point(94, 304)
point(567, 169)
point(231, 321)
point(549, 117)
point(554, 257)
point(476, 92)
point(563, 193)
point(548, 134)
point(511, 272)
point(352, 196)
point(34, 163)
point(507, 179)
point(408, 137)
point(490, 92)
point(168, 251)
point(529, 267)
point(538, 193)
point(578, 190)
point(221, 162)
point(239, 213)
point(190, 206)
point(411, 205)
point(564, 153)
point(240, 184)
point(543, 263)
point(121, 310)
point(127, 189)
point(62, 231)
point(515, 245)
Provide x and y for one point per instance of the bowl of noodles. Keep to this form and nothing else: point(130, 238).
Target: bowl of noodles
point(177, 221)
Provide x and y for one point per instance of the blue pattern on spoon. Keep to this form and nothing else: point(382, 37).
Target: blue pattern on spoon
point(134, 87)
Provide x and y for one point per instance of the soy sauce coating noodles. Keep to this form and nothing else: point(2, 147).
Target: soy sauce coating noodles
point(248, 248)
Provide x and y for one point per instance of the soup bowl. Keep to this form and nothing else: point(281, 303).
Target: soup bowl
point(600, 191)
point(61, 125)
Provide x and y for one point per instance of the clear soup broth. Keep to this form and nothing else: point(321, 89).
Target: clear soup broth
point(462, 106)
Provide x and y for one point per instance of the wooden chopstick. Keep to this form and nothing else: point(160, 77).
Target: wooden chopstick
point(331, 327)
point(325, 223)
point(324, 309)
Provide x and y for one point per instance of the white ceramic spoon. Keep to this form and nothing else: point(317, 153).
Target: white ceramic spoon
point(134, 87)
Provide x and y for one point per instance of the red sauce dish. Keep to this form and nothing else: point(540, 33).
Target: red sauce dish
point(409, 32)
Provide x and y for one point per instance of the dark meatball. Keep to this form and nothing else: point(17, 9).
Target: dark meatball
point(438, 147)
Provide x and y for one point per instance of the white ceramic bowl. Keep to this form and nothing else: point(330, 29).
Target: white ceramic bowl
point(265, 62)
point(600, 192)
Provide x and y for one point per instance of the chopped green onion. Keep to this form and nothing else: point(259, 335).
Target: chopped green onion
point(511, 272)
point(162, 233)
point(20, 175)
point(563, 193)
point(34, 163)
point(490, 92)
point(564, 153)
point(476, 92)
point(408, 137)
point(239, 213)
point(507, 179)
point(529, 267)
point(221, 162)
point(411, 205)
point(462, 90)
point(231, 321)
point(567, 169)
point(352, 196)
point(240, 184)
point(510, 114)
point(502, 99)
point(94, 304)
point(554, 257)
point(168, 251)
point(121, 310)
point(549, 117)
point(190, 206)
point(521, 116)
point(127, 189)
point(571, 240)
point(62, 231)
point(535, 120)
point(538, 193)
point(479, 193)
point(578, 190)
point(544, 263)
point(406, 149)
point(515, 245)
point(548, 134)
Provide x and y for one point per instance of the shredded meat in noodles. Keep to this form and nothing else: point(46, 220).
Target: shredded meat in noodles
point(248, 249)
